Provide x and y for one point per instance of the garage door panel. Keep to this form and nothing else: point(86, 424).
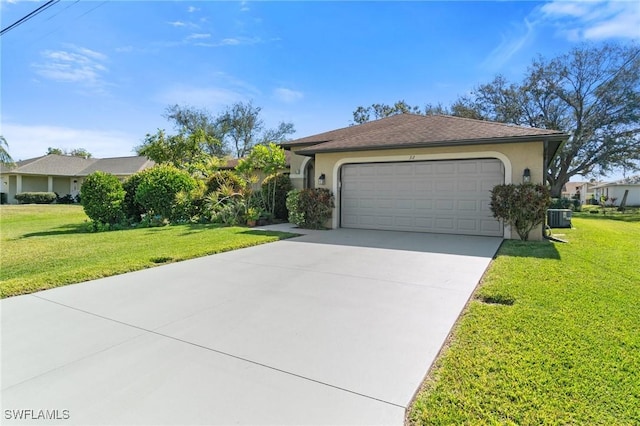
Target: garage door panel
point(445, 223)
point(468, 168)
point(442, 185)
point(450, 196)
point(470, 225)
point(467, 206)
point(445, 167)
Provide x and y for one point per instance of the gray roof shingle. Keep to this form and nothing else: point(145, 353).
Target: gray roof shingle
point(407, 130)
point(66, 165)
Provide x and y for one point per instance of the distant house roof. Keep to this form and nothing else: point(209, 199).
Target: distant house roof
point(411, 130)
point(66, 165)
point(632, 180)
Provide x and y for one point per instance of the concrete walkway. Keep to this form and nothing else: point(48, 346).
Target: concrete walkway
point(333, 327)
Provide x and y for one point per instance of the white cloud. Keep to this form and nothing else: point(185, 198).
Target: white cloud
point(28, 141)
point(124, 49)
point(192, 9)
point(74, 65)
point(510, 46)
point(244, 6)
point(572, 20)
point(594, 20)
point(287, 95)
point(177, 24)
point(198, 36)
point(232, 41)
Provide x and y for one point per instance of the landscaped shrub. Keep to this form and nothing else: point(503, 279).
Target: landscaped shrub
point(102, 196)
point(133, 210)
point(522, 206)
point(66, 199)
point(274, 192)
point(189, 204)
point(566, 203)
point(228, 178)
point(560, 203)
point(310, 208)
point(35, 197)
point(158, 189)
point(226, 206)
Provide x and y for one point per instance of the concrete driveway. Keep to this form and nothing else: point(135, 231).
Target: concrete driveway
point(333, 327)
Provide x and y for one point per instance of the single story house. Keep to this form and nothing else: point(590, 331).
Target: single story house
point(617, 190)
point(63, 174)
point(421, 173)
point(583, 189)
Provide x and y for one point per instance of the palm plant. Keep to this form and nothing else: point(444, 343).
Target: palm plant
point(4, 153)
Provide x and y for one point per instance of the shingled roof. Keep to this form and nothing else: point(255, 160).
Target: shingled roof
point(411, 130)
point(66, 165)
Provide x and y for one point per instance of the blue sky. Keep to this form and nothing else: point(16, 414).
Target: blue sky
point(99, 74)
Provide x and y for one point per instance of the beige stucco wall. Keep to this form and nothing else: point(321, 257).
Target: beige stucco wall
point(515, 158)
point(298, 164)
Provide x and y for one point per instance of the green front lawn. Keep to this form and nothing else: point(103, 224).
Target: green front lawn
point(566, 351)
point(49, 246)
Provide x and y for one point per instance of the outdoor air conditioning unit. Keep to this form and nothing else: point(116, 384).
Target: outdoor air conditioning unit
point(559, 218)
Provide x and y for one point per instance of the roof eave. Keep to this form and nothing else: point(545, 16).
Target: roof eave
point(484, 141)
point(288, 145)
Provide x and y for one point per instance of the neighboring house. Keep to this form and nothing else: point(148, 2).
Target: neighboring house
point(63, 174)
point(617, 189)
point(584, 189)
point(422, 173)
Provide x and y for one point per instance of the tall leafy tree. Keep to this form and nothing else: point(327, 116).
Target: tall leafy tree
point(178, 150)
point(243, 128)
point(377, 111)
point(591, 92)
point(75, 152)
point(4, 151)
point(235, 130)
point(189, 120)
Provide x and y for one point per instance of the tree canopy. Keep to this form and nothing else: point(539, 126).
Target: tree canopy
point(75, 152)
point(235, 130)
point(592, 93)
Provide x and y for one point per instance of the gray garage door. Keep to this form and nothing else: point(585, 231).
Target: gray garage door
point(427, 196)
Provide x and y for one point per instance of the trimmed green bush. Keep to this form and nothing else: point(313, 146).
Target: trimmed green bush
point(36, 197)
point(310, 208)
point(65, 199)
point(132, 209)
point(158, 189)
point(522, 206)
point(102, 196)
point(276, 202)
point(566, 203)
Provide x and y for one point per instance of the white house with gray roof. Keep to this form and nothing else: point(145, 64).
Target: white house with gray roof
point(616, 190)
point(63, 174)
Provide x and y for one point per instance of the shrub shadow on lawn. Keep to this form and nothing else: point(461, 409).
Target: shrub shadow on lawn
point(279, 234)
point(537, 249)
point(72, 228)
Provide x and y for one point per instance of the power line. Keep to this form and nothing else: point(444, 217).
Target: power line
point(29, 16)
